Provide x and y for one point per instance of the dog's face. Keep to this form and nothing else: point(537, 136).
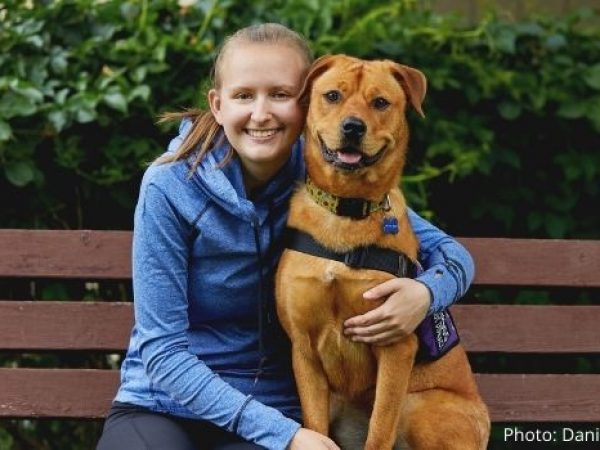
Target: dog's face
point(356, 120)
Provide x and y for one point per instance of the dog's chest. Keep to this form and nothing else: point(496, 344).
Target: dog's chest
point(310, 286)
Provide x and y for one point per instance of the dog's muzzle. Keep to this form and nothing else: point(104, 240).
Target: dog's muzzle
point(349, 157)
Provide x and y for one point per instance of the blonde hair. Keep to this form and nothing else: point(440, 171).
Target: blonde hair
point(205, 133)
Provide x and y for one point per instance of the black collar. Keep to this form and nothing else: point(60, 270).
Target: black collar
point(355, 208)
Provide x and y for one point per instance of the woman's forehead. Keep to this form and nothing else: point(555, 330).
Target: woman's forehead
point(262, 63)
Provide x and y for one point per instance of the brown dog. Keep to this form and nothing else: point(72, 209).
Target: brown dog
point(356, 139)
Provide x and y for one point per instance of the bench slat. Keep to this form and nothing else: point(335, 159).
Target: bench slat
point(48, 325)
point(535, 262)
point(532, 398)
point(105, 326)
point(529, 328)
point(60, 393)
point(87, 393)
point(107, 255)
point(65, 254)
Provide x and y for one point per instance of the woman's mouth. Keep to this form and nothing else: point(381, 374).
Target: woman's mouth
point(261, 133)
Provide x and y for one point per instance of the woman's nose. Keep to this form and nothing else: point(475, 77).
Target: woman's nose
point(261, 111)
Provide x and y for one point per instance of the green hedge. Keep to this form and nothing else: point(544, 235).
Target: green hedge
point(509, 145)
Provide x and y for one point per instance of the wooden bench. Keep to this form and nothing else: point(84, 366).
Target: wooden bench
point(505, 329)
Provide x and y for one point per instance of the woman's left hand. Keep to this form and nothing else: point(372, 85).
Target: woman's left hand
point(405, 308)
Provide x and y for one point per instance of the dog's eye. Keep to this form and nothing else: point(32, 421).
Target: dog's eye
point(380, 103)
point(333, 96)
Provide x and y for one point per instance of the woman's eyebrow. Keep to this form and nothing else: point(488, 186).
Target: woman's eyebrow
point(274, 87)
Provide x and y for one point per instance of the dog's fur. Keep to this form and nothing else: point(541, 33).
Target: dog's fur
point(424, 406)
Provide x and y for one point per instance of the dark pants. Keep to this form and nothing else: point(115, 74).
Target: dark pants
point(130, 427)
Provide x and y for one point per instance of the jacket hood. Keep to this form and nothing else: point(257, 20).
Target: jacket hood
point(224, 184)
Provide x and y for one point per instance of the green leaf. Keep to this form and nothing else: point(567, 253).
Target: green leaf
point(556, 226)
point(142, 92)
point(30, 93)
point(573, 109)
point(55, 291)
point(138, 74)
point(129, 11)
point(534, 220)
point(35, 40)
point(59, 63)
point(529, 29)
point(19, 173)
point(555, 42)
point(85, 115)
point(116, 100)
point(592, 76)
point(61, 96)
point(58, 119)
point(506, 40)
point(14, 105)
point(593, 112)
point(509, 110)
point(5, 131)
point(83, 106)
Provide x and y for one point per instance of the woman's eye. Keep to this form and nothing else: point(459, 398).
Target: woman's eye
point(243, 96)
point(380, 103)
point(333, 96)
point(281, 95)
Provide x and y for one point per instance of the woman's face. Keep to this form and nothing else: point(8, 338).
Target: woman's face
point(257, 104)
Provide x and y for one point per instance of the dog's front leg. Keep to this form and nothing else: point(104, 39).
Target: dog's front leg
point(394, 365)
point(312, 388)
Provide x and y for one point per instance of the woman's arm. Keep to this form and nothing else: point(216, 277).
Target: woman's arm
point(160, 262)
point(448, 270)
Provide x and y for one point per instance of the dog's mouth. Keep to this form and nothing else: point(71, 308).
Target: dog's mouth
point(349, 158)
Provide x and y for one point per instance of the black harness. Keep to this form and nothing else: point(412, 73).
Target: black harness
point(366, 257)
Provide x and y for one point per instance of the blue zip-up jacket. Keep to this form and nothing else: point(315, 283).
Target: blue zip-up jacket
point(206, 343)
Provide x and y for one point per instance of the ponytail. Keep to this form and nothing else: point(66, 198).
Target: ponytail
point(204, 135)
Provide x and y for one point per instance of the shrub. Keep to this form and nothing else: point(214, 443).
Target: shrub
point(513, 110)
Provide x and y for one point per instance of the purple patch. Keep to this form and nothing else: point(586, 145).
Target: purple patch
point(437, 335)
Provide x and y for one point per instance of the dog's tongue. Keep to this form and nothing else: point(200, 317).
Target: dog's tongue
point(349, 158)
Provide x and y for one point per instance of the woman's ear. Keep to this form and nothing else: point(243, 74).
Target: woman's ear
point(214, 101)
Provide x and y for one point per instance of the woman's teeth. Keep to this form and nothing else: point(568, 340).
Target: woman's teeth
point(261, 133)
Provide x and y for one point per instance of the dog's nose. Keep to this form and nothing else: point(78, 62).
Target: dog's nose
point(353, 128)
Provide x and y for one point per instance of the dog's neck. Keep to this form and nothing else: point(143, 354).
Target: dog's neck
point(355, 208)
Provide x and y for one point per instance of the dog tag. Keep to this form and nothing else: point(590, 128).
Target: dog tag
point(390, 225)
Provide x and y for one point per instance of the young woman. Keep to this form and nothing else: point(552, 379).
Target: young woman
point(208, 366)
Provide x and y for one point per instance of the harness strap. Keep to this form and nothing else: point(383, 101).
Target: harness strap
point(366, 257)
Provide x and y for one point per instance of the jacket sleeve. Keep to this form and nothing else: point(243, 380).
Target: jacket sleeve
point(160, 261)
point(448, 267)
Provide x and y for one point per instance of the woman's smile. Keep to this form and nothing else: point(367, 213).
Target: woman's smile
point(262, 134)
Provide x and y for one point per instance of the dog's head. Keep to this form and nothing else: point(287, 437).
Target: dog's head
point(356, 125)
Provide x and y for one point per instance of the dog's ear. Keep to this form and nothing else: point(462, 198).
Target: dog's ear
point(413, 82)
point(317, 68)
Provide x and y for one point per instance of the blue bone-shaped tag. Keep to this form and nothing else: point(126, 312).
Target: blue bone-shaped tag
point(390, 225)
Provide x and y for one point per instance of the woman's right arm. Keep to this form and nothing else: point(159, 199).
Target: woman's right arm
point(160, 262)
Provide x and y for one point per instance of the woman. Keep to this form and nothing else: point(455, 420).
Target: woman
point(208, 365)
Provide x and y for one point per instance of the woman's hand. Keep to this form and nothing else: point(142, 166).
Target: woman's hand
point(405, 308)
point(306, 439)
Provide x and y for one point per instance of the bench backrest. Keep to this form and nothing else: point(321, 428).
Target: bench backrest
point(505, 329)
